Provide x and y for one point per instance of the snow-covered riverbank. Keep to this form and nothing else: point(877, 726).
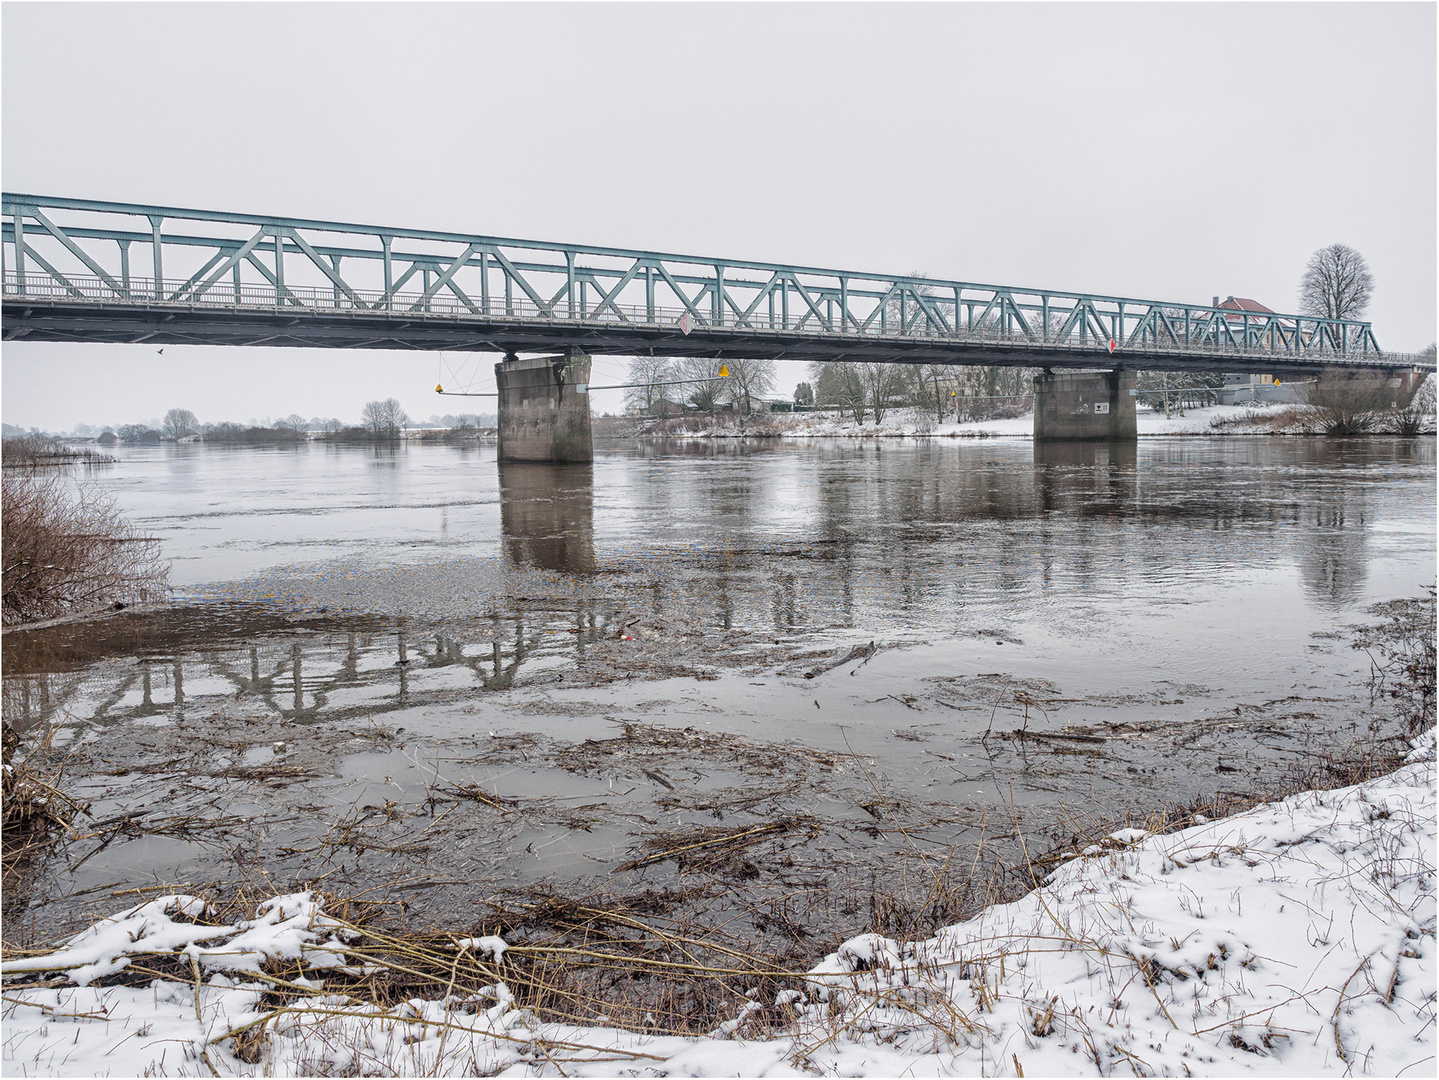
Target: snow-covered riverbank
point(1297, 938)
point(1232, 419)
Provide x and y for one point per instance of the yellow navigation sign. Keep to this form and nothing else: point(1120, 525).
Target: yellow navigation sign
point(724, 370)
point(439, 389)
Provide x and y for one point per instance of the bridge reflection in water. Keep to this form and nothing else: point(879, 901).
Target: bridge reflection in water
point(313, 667)
point(878, 536)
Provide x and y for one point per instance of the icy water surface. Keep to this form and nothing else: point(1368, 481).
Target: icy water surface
point(413, 670)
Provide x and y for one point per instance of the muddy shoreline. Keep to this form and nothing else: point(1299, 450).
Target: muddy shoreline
point(692, 777)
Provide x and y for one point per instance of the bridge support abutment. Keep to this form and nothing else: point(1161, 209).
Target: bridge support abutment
point(544, 409)
point(1084, 405)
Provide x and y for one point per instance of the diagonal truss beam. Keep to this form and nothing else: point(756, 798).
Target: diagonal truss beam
point(61, 278)
point(325, 267)
point(75, 250)
point(445, 276)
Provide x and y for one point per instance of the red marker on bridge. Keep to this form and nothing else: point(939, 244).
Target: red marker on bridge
point(1111, 346)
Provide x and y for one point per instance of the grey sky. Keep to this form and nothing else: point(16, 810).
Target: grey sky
point(1172, 151)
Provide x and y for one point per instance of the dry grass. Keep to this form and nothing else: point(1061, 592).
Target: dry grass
point(33, 805)
point(31, 450)
point(1402, 660)
point(66, 548)
point(566, 961)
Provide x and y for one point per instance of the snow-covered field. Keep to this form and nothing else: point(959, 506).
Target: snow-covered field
point(1295, 939)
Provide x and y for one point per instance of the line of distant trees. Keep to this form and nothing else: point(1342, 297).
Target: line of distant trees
point(665, 387)
point(380, 422)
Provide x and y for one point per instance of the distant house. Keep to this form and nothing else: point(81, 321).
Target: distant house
point(1241, 389)
point(1242, 304)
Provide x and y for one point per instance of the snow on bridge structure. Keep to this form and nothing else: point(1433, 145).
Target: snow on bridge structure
point(84, 270)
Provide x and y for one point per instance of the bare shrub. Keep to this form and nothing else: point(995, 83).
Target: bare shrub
point(687, 424)
point(1415, 416)
point(1342, 403)
point(66, 548)
point(766, 425)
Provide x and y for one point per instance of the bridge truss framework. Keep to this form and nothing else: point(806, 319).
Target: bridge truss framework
point(81, 270)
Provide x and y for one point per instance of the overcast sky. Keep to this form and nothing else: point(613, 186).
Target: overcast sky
point(1171, 151)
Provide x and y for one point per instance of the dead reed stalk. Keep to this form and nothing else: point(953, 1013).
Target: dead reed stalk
point(32, 806)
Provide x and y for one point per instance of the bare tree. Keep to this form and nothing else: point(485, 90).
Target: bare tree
point(385, 420)
point(903, 312)
point(986, 392)
point(881, 382)
point(138, 433)
point(709, 388)
point(649, 396)
point(1172, 391)
point(1336, 284)
point(179, 423)
point(931, 388)
point(293, 422)
point(839, 382)
point(747, 380)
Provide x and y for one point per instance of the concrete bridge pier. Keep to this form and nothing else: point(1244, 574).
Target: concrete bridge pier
point(544, 408)
point(1084, 405)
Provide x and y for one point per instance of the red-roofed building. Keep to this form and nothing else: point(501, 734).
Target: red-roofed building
point(1240, 303)
point(1243, 388)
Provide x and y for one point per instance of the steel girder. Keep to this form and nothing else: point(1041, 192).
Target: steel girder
point(219, 278)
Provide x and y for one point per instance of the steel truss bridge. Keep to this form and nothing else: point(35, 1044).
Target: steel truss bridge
point(80, 270)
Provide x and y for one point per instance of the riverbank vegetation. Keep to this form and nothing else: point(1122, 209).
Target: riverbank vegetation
point(29, 451)
point(66, 548)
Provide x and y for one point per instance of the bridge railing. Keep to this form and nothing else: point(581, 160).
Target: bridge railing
point(149, 293)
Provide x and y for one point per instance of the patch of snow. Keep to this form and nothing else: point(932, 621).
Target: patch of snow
point(491, 946)
point(1128, 836)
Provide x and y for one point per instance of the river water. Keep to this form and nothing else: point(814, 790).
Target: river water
point(412, 670)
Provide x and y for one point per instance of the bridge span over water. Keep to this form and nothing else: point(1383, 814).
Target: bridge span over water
point(81, 270)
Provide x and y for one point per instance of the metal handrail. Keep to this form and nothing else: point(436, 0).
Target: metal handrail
point(322, 300)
